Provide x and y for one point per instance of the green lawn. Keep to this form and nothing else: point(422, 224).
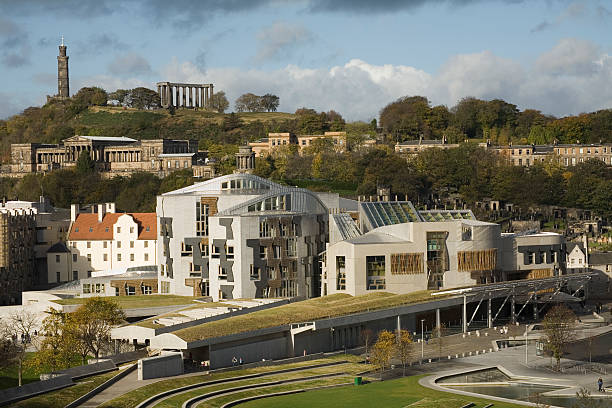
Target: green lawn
point(141, 301)
point(403, 392)
point(9, 375)
point(308, 310)
point(63, 397)
point(138, 395)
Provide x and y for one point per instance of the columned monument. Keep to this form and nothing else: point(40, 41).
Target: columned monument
point(63, 88)
point(184, 95)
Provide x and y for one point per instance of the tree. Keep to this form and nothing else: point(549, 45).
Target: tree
point(54, 350)
point(16, 333)
point(144, 98)
point(560, 329)
point(585, 400)
point(403, 348)
point(93, 321)
point(89, 96)
point(84, 164)
point(383, 349)
point(270, 102)
point(367, 335)
point(120, 95)
point(248, 102)
point(218, 102)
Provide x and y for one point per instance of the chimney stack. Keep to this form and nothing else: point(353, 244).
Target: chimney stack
point(74, 212)
point(101, 210)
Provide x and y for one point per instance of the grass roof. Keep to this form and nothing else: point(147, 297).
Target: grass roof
point(308, 310)
point(137, 302)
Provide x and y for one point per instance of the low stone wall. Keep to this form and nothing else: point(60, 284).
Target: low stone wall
point(162, 366)
point(89, 369)
point(11, 395)
point(101, 387)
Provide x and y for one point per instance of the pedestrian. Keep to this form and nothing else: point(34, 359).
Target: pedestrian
point(600, 384)
point(234, 361)
point(240, 362)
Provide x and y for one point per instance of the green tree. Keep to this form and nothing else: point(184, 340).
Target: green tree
point(218, 102)
point(270, 102)
point(249, 102)
point(92, 322)
point(55, 348)
point(144, 98)
point(120, 95)
point(84, 164)
point(91, 96)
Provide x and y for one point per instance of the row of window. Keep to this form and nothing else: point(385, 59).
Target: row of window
point(267, 230)
point(107, 229)
point(582, 149)
point(106, 244)
point(104, 257)
point(545, 257)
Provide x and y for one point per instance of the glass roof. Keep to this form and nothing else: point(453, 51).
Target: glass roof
point(389, 212)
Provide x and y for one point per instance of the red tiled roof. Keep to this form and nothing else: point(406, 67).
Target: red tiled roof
point(87, 227)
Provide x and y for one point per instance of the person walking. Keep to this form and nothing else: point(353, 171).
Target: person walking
point(234, 361)
point(600, 384)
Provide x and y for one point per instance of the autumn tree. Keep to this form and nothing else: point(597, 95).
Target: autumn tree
point(54, 349)
point(367, 335)
point(403, 348)
point(218, 102)
point(382, 350)
point(559, 327)
point(92, 322)
point(15, 335)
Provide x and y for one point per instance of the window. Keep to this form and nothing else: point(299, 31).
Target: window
point(119, 257)
point(195, 270)
point(340, 273)
point(57, 277)
point(86, 288)
point(176, 164)
point(106, 229)
point(146, 257)
point(89, 274)
point(88, 257)
point(99, 288)
point(203, 248)
point(230, 252)
point(291, 248)
point(90, 229)
point(186, 249)
point(75, 275)
point(202, 212)
point(265, 231)
point(185, 164)
point(131, 230)
point(57, 258)
point(105, 257)
point(132, 257)
point(255, 271)
point(146, 290)
point(88, 244)
point(118, 230)
point(131, 244)
point(216, 251)
point(375, 272)
point(118, 244)
point(169, 164)
point(104, 244)
point(130, 290)
point(165, 287)
point(146, 243)
point(262, 252)
point(76, 229)
point(283, 230)
point(276, 250)
point(222, 272)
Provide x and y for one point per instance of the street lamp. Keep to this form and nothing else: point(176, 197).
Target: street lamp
point(526, 344)
point(422, 342)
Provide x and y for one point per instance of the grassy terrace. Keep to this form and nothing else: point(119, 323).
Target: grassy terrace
point(138, 395)
point(308, 310)
point(137, 302)
point(150, 322)
point(403, 392)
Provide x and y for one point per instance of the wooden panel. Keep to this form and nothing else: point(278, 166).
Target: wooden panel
point(407, 264)
point(483, 260)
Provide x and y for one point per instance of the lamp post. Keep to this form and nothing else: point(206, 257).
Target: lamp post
point(526, 344)
point(422, 342)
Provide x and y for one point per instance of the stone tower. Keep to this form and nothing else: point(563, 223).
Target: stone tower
point(63, 89)
point(245, 160)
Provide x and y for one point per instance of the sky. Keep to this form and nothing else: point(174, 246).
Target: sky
point(351, 56)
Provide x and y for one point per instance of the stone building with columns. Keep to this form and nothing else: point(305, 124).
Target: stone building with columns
point(112, 156)
point(184, 95)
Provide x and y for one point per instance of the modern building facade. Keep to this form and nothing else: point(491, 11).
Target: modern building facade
point(265, 146)
point(564, 154)
point(112, 156)
point(240, 236)
point(398, 249)
point(104, 242)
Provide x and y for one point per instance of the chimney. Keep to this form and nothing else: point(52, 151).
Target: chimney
point(101, 211)
point(585, 242)
point(74, 212)
point(110, 208)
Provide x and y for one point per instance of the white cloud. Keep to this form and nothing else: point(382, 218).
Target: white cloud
point(129, 64)
point(571, 78)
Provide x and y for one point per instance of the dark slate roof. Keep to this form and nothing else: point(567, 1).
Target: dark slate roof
point(600, 258)
point(571, 245)
point(58, 248)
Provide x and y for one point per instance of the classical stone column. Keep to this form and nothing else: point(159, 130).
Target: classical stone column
point(211, 90)
point(184, 96)
point(205, 90)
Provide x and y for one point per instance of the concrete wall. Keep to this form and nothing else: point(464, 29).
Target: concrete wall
point(270, 347)
point(162, 366)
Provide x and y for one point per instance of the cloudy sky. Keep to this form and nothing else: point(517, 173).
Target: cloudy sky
point(353, 56)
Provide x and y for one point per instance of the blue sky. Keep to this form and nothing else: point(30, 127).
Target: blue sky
point(350, 56)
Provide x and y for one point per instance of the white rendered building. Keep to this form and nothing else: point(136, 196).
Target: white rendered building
point(405, 250)
point(240, 236)
point(106, 241)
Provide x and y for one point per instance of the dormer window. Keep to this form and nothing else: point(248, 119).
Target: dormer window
point(90, 229)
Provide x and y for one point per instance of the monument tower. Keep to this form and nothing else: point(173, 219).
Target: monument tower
point(63, 89)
